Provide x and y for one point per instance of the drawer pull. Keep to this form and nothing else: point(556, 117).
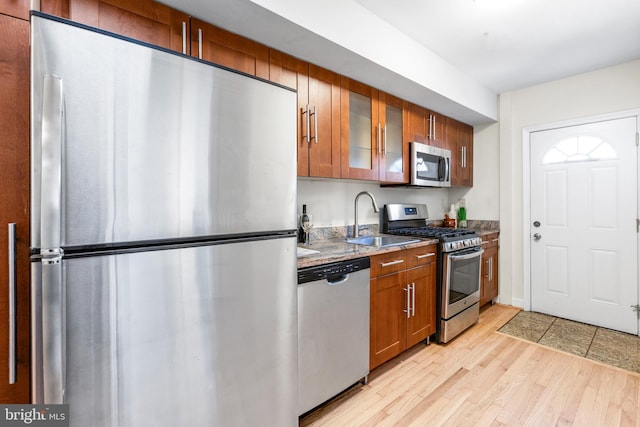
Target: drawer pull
point(425, 255)
point(495, 240)
point(387, 264)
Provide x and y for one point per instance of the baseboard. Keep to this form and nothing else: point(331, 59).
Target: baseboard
point(517, 302)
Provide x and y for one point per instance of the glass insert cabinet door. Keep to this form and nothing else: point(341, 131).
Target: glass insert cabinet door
point(392, 138)
point(372, 138)
point(358, 127)
point(360, 124)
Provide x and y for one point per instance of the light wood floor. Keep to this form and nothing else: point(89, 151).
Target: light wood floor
point(484, 378)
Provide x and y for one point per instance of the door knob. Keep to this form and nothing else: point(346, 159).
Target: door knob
point(537, 236)
point(536, 224)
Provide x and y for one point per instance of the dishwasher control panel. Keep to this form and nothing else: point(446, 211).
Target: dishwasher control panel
point(332, 270)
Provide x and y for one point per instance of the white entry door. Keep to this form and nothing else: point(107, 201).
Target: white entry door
point(584, 238)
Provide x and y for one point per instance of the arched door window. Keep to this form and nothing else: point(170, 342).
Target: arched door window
point(579, 149)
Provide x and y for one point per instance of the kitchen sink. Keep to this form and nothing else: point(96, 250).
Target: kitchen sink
point(382, 241)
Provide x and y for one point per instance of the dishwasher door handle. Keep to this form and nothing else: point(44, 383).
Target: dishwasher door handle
point(338, 280)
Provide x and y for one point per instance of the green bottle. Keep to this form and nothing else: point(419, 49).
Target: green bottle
point(462, 215)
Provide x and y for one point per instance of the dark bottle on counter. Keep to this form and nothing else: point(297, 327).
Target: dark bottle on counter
point(303, 218)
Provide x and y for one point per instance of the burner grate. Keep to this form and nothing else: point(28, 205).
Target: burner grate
point(435, 232)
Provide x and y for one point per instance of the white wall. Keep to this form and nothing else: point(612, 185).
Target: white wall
point(610, 90)
point(332, 201)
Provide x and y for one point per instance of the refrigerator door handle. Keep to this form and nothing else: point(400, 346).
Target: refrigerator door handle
point(53, 326)
point(12, 303)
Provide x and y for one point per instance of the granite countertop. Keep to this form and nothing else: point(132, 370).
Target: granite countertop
point(337, 249)
point(329, 244)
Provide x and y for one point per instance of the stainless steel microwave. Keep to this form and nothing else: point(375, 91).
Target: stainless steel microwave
point(430, 166)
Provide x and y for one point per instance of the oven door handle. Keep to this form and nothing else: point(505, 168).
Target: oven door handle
point(471, 255)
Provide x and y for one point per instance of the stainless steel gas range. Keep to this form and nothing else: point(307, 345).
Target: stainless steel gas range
point(459, 256)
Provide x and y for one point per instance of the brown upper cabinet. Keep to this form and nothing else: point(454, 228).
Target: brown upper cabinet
point(143, 20)
point(15, 8)
point(459, 138)
point(373, 134)
point(426, 126)
point(318, 113)
point(417, 124)
point(393, 146)
point(436, 134)
point(358, 130)
point(230, 50)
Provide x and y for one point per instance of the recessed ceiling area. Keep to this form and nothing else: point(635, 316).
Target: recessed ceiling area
point(511, 44)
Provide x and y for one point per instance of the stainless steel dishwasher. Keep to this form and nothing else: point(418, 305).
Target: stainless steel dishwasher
point(333, 330)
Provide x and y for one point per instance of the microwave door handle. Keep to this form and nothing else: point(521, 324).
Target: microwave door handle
point(446, 169)
point(443, 169)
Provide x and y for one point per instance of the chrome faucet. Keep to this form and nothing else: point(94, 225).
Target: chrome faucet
point(375, 209)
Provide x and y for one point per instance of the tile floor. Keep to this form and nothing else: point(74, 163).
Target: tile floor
point(603, 345)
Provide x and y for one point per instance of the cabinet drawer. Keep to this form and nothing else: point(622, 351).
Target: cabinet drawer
point(490, 240)
point(421, 256)
point(388, 263)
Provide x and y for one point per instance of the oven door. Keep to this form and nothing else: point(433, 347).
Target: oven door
point(460, 281)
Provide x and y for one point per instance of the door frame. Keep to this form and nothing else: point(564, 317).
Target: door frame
point(526, 184)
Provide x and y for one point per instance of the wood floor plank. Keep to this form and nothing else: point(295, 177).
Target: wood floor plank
point(485, 378)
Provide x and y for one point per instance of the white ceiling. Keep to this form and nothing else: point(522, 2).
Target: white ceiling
point(511, 44)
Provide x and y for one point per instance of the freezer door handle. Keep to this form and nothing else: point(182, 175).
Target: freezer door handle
point(53, 332)
point(51, 175)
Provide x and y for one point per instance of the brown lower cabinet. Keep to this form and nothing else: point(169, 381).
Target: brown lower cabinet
point(14, 202)
point(403, 298)
point(489, 268)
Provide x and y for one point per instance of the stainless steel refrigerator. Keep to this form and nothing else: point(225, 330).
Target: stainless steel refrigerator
point(162, 234)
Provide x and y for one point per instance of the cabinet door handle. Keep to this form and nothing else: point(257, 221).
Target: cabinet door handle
point(491, 269)
point(200, 43)
point(408, 310)
point(379, 136)
point(305, 113)
point(413, 299)
point(384, 139)
point(425, 255)
point(315, 124)
point(184, 37)
point(13, 367)
point(434, 127)
point(387, 264)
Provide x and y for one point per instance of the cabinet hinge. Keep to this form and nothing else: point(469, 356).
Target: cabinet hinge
point(637, 225)
point(637, 139)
